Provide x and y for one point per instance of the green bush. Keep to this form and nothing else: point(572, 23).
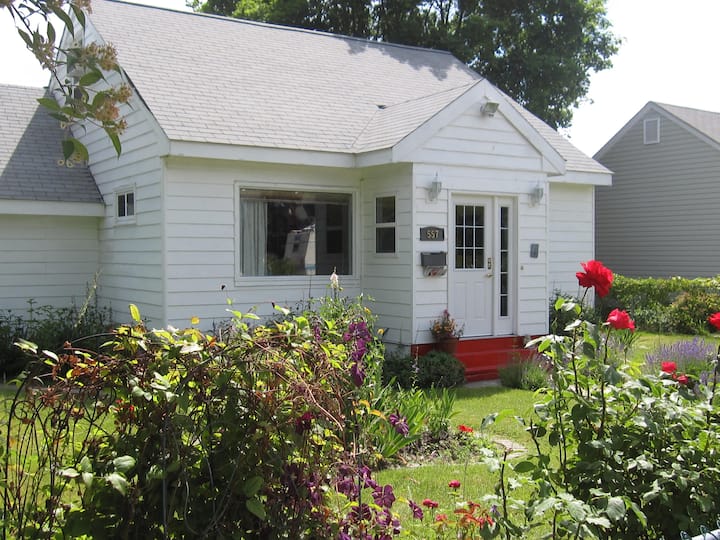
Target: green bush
point(400, 367)
point(440, 370)
point(690, 311)
point(435, 369)
point(674, 305)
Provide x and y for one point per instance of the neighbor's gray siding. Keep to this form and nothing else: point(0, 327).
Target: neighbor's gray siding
point(661, 217)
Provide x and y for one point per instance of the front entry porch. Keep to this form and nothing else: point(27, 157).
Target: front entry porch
point(482, 356)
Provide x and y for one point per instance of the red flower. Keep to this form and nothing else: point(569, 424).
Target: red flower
point(595, 275)
point(668, 367)
point(442, 518)
point(465, 429)
point(620, 320)
point(714, 319)
point(429, 503)
point(683, 379)
point(454, 484)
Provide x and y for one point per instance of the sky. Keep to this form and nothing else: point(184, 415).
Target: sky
point(668, 55)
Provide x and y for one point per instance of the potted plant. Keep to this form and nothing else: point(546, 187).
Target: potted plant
point(446, 332)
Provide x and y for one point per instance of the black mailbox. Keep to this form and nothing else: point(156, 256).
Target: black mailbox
point(437, 258)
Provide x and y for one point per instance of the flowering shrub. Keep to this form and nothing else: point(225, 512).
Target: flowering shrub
point(632, 455)
point(446, 327)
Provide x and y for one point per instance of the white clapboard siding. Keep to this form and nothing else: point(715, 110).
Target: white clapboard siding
point(571, 234)
point(50, 259)
point(131, 261)
point(660, 217)
point(201, 238)
point(386, 277)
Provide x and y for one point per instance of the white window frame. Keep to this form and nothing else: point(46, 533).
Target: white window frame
point(124, 192)
point(387, 225)
point(295, 280)
point(651, 135)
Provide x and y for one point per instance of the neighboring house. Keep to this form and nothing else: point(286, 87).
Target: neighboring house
point(661, 216)
point(49, 213)
point(258, 159)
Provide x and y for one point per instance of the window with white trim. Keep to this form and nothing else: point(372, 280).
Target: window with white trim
point(385, 224)
point(294, 233)
point(651, 131)
point(125, 204)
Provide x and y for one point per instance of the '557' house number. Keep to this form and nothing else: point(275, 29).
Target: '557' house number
point(432, 233)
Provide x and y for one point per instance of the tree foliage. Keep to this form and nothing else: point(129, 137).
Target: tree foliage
point(81, 92)
point(540, 52)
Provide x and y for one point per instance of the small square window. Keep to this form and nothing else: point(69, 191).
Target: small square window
point(385, 225)
point(651, 131)
point(126, 204)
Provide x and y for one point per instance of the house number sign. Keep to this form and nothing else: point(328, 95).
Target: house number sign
point(432, 233)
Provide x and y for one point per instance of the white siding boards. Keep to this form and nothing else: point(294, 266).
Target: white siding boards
point(49, 259)
point(660, 218)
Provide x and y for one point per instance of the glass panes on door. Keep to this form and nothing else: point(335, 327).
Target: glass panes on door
point(469, 237)
point(504, 260)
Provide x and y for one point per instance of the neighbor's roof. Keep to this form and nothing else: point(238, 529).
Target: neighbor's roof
point(706, 122)
point(30, 147)
point(222, 80)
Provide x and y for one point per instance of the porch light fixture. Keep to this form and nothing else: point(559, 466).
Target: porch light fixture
point(489, 108)
point(434, 189)
point(536, 195)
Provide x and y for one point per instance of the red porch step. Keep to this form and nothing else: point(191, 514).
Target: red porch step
point(482, 356)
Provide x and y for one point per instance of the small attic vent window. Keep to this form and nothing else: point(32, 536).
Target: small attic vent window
point(651, 131)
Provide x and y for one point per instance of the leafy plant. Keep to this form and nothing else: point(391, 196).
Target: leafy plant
point(631, 454)
point(440, 370)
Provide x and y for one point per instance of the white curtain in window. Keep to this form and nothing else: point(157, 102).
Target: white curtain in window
point(253, 224)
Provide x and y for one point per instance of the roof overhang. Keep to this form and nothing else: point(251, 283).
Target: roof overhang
point(51, 208)
point(283, 156)
point(583, 177)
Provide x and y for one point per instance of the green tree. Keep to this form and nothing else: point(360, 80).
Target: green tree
point(541, 52)
point(75, 69)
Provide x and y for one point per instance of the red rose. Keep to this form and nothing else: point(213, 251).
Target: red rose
point(668, 367)
point(714, 319)
point(454, 484)
point(683, 379)
point(465, 429)
point(620, 320)
point(595, 275)
point(429, 503)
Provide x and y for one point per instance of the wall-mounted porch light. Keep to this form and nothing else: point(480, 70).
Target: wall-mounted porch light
point(536, 195)
point(434, 189)
point(489, 108)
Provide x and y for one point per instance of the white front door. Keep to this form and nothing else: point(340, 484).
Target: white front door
point(481, 282)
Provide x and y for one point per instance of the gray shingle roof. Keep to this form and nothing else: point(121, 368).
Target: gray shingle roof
point(230, 81)
point(220, 80)
point(30, 147)
point(575, 160)
point(705, 122)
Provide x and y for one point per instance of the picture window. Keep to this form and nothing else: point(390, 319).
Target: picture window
point(292, 233)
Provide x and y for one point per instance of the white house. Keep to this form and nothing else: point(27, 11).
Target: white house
point(259, 158)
